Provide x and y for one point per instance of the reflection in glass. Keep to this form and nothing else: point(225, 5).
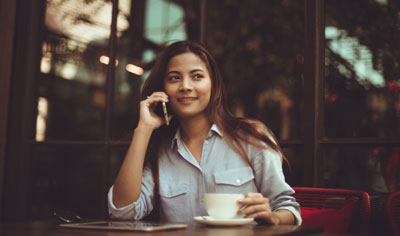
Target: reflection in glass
point(259, 46)
point(72, 76)
point(41, 119)
point(372, 169)
point(81, 20)
point(362, 76)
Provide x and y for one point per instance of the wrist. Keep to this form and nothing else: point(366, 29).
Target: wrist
point(275, 219)
point(143, 127)
point(144, 131)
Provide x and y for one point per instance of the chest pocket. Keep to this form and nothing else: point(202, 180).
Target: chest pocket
point(238, 180)
point(171, 190)
point(173, 198)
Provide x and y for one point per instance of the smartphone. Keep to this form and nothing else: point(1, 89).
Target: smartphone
point(165, 112)
point(162, 111)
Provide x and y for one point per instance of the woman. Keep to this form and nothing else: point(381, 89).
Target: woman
point(204, 149)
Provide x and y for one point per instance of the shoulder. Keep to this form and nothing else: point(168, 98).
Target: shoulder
point(265, 158)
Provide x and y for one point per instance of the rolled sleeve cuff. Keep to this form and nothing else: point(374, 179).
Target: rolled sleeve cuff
point(123, 213)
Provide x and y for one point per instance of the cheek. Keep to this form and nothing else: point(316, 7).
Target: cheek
point(205, 89)
point(169, 90)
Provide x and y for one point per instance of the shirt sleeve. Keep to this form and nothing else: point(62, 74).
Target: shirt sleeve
point(270, 181)
point(136, 210)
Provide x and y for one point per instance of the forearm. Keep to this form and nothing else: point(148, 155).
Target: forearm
point(284, 217)
point(127, 186)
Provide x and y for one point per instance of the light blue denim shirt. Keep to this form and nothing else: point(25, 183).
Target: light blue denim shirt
point(183, 181)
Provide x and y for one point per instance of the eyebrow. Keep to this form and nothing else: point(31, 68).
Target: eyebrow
point(191, 72)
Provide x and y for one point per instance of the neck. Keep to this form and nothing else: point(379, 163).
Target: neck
point(194, 129)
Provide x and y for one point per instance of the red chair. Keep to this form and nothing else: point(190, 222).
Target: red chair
point(339, 211)
point(392, 212)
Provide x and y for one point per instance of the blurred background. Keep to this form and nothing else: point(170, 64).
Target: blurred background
point(324, 75)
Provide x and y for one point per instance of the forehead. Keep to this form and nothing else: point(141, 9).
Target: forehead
point(186, 61)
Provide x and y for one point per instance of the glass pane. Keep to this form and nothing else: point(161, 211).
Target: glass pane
point(67, 179)
point(294, 169)
point(362, 70)
point(117, 156)
point(165, 20)
point(259, 46)
point(73, 71)
point(150, 25)
point(372, 169)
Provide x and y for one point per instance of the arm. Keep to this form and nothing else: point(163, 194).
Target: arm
point(285, 217)
point(127, 186)
point(274, 203)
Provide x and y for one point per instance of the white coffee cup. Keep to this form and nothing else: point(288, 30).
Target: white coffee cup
point(222, 205)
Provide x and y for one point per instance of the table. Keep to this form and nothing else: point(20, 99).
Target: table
point(51, 228)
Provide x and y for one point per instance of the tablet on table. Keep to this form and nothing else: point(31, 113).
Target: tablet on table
point(126, 225)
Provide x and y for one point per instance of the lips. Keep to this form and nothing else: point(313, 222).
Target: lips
point(186, 99)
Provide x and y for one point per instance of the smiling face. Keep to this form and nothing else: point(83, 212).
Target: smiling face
point(188, 85)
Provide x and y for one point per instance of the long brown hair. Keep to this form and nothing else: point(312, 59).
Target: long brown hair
point(238, 131)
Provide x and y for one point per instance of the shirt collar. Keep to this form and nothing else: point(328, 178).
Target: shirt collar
point(214, 128)
point(177, 139)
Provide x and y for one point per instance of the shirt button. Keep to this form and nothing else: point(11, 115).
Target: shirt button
point(169, 192)
point(238, 181)
point(206, 142)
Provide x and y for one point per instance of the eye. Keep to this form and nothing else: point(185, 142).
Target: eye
point(173, 78)
point(198, 76)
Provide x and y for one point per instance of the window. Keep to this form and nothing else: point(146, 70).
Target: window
point(259, 46)
point(322, 74)
point(92, 67)
point(361, 96)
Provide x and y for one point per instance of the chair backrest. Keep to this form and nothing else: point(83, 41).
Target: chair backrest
point(338, 210)
point(392, 212)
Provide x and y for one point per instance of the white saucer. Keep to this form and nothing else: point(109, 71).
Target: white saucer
point(228, 222)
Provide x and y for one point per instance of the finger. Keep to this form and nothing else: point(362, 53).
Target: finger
point(257, 215)
point(152, 101)
point(254, 200)
point(159, 94)
point(249, 206)
point(248, 210)
point(157, 99)
point(253, 195)
point(170, 117)
point(249, 196)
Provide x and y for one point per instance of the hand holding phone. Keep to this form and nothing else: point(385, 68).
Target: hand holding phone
point(160, 109)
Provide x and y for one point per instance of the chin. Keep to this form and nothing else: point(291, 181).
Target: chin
point(188, 115)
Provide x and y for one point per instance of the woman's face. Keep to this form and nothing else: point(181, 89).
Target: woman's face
point(188, 85)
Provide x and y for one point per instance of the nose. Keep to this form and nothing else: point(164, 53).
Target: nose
point(186, 84)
